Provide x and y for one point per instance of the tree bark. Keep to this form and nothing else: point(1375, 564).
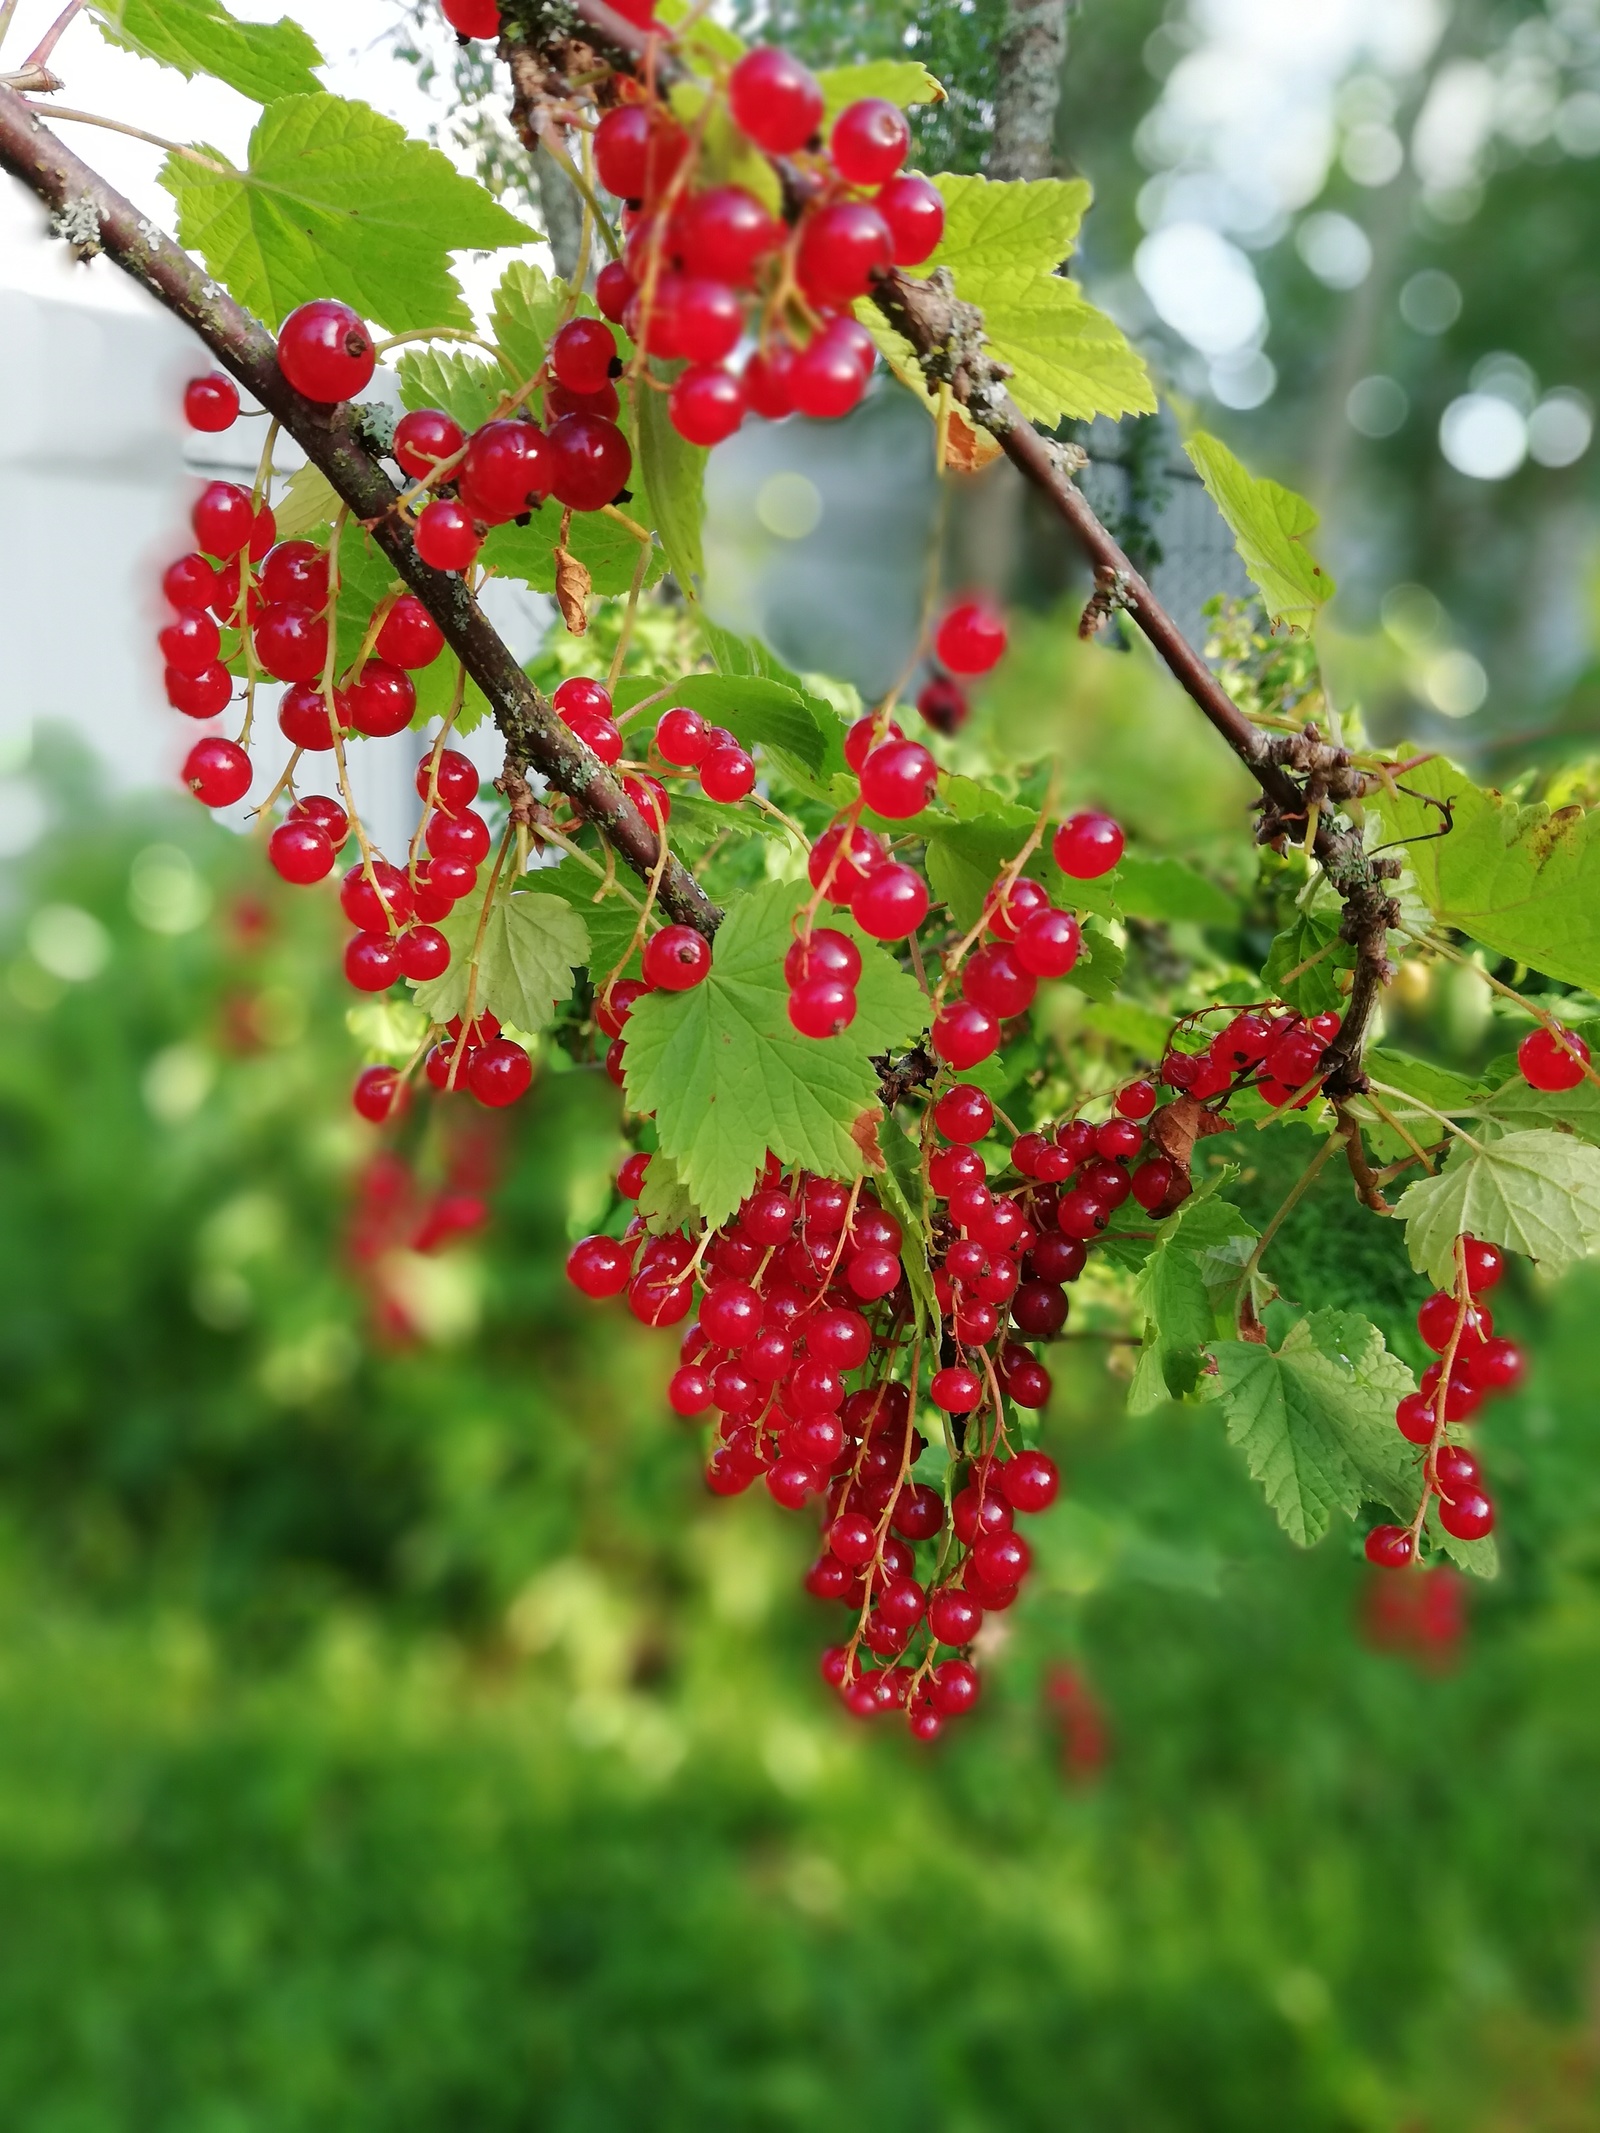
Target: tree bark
point(1033, 53)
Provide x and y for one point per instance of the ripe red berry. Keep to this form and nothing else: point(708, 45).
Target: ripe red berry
point(637, 151)
point(953, 1687)
point(1414, 1418)
point(873, 1273)
point(1030, 1482)
point(768, 381)
point(590, 461)
point(891, 903)
point(954, 1616)
point(292, 643)
point(822, 1007)
point(706, 404)
point(614, 289)
point(1551, 1062)
point(317, 807)
point(829, 376)
point(217, 772)
point(190, 642)
point(472, 18)
point(581, 355)
point(971, 638)
point(1499, 1367)
point(707, 319)
point(454, 777)
point(682, 738)
point(1087, 846)
point(843, 865)
point(499, 1072)
point(840, 248)
point(913, 207)
point(1048, 943)
point(303, 717)
point(956, 1389)
point(506, 470)
point(446, 537)
point(599, 1266)
point(994, 981)
point(301, 852)
point(1485, 1263)
point(378, 1092)
point(1001, 1560)
point(823, 953)
point(1136, 1099)
point(1436, 1322)
point(724, 232)
point(1153, 1182)
point(964, 1034)
point(382, 700)
point(1082, 1214)
point(200, 695)
point(651, 798)
point(370, 901)
point(676, 958)
point(189, 582)
point(897, 779)
point(424, 954)
point(964, 1114)
point(1467, 1516)
point(211, 402)
point(295, 574)
point(423, 438)
point(223, 519)
point(727, 775)
point(461, 836)
point(775, 100)
point(1389, 1547)
point(1455, 1469)
point(325, 351)
point(1039, 1310)
point(372, 961)
point(869, 141)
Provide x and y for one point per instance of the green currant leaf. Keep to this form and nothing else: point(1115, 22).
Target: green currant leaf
point(1269, 525)
point(1533, 1191)
point(1522, 880)
point(610, 924)
point(262, 60)
point(309, 504)
point(465, 386)
point(728, 1078)
point(1313, 992)
point(1516, 1105)
point(664, 1202)
point(898, 81)
point(673, 473)
point(528, 307)
point(337, 200)
point(607, 550)
point(1138, 1029)
point(387, 1028)
point(531, 946)
point(1315, 1420)
point(1098, 970)
point(1168, 890)
point(900, 1187)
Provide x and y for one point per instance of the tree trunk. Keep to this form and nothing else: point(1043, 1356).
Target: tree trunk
point(1032, 55)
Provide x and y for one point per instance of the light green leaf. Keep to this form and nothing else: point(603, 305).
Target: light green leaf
point(1315, 1420)
point(528, 307)
point(898, 81)
point(1007, 226)
point(610, 924)
point(465, 386)
point(1269, 525)
point(1434, 1085)
point(1522, 880)
point(386, 1028)
point(705, 36)
point(1167, 889)
point(900, 1188)
point(1185, 1288)
point(1516, 1105)
point(1534, 1192)
point(1098, 970)
point(531, 946)
point(970, 801)
point(728, 1078)
point(674, 475)
point(608, 551)
point(337, 200)
point(262, 60)
point(664, 1202)
point(307, 505)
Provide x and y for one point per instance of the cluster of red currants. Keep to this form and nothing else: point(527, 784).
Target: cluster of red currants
point(706, 269)
point(1473, 1365)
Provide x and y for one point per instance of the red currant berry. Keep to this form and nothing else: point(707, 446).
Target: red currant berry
point(614, 289)
point(1001, 1560)
point(706, 404)
point(869, 141)
point(1455, 1469)
point(582, 354)
point(913, 207)
point(964, 1034)
point(964, 1114)
point(1007, 914)
point(840, 868)
point(190, 582)
point(768, 381)
point(295, 574)
point(301, 852)
point(676, 958)
point(860, 738)
point(682, 738)
point(994, 981)
point(382, 700)
point(829, 376)
point(223, 519)
point(378, 1093)
point(303, 716)
point(897, 779)
point(971, 638)
point(464, 836)
point(823, 953)
point(1500, 1367)
point(217, 772)
point(727, 775)
point(1414, 1418)
point(1082, 1214)
point(689, 1391)
point(472, 18)
point(1048, 944)
point(409, 637)
point(190, 642)
point(1468, 1516)
point(446, 537)
point(449, 776)
point(892, 902)
point(292, 643)
point(1039, 1310)
point(1153, 1182)
point(613, 1009)
point(953, 1688)
point(425, 437)
point(424, 954)
point(211, 402)
point(1485, 1263)
point(956, 1389)
point(505, 472)
point(1030, 1482)
point(840, 247)
point(200, 695)
point(317, 807)
point(599, 1266)
point(822, 1007)
point(1436, 1322)
point(637, 152)
point(776, 102)
point(499, 1072)
point(1087, 846)
point(1550, 1061)
point(1118, 1140)
point(590, 461)
point(372, 962)
point(873, 1273)
point(325, 352)
point(371, 901)
point(1389, 1547)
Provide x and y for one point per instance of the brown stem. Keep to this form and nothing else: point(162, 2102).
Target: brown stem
point(92, 214)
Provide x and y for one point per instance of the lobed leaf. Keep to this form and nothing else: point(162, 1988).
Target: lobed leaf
point(532, 944)
point(467, 387)
point(262, 60)
point(898, 81)
point(1269, 524)
point(1533, 1191)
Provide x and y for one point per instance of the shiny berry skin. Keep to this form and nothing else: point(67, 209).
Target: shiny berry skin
point(1153, 1181)
point(200, 695)
point(676, 958)
point(1087, 846)
point(446, 537)
point(707, 319)
point(1008, 914)
point(851, 1539)
point(824, 953)
point(506, 471)
point(292, 643)
point(861, 738)
point(768, 381)
point(637, 152)
point(590, 461)
point(378, 1092)
point(1463, 1395)
point(461, 836)
point(1414, 1418)
point(1436, 1322)
point(688, 1392)
point(423, 438)
point(706, 404)
point(1455, 1469)
point(370, 906)
point(190, 642)
point(301, 852)
point(651, 798)
point(1389, 1547)
point(964, 1114)
point(822, 1007)
point(303, 716)
point(971, 638)
point(295, 574)
point(223, 519)
point(955, 1389)
point(840, 248)
point(954, 1616)
point(1485, 1263)
point(580, 692)
point(382, 699)
point(599, 1266)
point(1500, 1367)
point(829, 376)
point(1030, 1482)
point(723, 233)
point(913, 207)
point(581, 355)
point(682, 738)
point(211, 403)
point(1082, 1214)
point(499, 1072)
point(897, 779)
point(189, 582)
point(974, 1511)
point(1552, 1063)
point(1048, 944)
point(472, 18)
point(424, 954)
point(953, 1687)
point(918, 1513)
point(325, 351)
point(1039, 1310)
point(844, 866)
point(371, 961)
point(1118, 1140)
point(727, 775)
point(994, 981)
point(217, 772)
point(1001, 1559)
point(1467, 1516)
point(869, 141)
point(873, 1273)
point(456, 776)
point(614, 289)
point(1056, 1258)
point(776, 102)
point(964, 1035)
point(1136, 1099)
point(892, 902)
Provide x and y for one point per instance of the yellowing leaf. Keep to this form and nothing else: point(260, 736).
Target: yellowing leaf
point(1522, 880)
point(337, 200)
point(306, 505)
point(1269, 525)
point(531, 946)
point(1534, 1192)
